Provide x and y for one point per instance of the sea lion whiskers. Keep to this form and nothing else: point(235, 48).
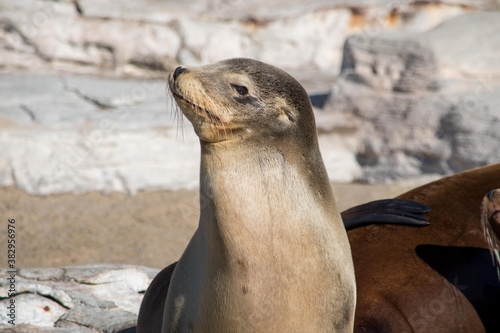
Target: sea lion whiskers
point(177, 114)
point(201, 110)
point(205, 106)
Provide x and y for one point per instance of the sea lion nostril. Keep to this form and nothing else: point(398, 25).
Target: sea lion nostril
point(178, 71)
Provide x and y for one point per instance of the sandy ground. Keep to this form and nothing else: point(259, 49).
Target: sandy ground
point(149, 228)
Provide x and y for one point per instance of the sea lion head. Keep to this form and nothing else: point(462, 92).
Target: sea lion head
point(242, 99)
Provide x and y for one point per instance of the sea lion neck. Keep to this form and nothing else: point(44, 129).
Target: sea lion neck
point(246, 176)
point(260, 213)
point(264, 159)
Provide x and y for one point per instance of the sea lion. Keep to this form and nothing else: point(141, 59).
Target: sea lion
point(270, 253)
point(435, 279)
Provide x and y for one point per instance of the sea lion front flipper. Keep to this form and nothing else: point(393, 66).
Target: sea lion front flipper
point(151, 313)
point(387, 211)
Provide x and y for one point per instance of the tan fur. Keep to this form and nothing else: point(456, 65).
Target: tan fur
point(270, 253)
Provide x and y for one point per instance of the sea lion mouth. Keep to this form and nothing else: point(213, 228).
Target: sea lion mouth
point(198, 109)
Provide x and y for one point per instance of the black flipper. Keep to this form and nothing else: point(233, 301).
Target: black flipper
point(388, 211)
point(153, 303)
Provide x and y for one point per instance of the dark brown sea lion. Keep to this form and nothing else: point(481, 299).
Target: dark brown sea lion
point(436, 279)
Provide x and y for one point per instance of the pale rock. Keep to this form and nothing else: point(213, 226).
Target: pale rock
point(93, 134)
point(195, 32)
point(30, 17)
point(131, 278)
point(225, 41)
point(480, 4)
point(11, 40)
point(158, 12)
point(40, 329)
point(42, 274)
point(23, 89)
point(207, 42)
point(262, 10)
point(48, 291)
point(404, 90)
point(32, 309)
point(93, 298)
point(115, 93)
point(431, 17)
point(112, 320)
point(13, 60)
point(54, 42)
point(338, 143)
point(123, 162)
point(287, 44)
point(390, 62)
point(147, 38)
point(330, 38)
point(15, 117)
point(412, 118)
point(57, 34)
point(340, 162)
point(473, 132)
point(473, 53)
point(23, 150)
point(117, 43)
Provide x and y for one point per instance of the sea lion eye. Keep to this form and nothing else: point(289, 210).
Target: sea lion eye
point(242, 90)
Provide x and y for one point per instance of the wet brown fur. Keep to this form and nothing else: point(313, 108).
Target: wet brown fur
point(437, 279)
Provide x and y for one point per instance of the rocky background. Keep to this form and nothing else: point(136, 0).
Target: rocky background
point(402, 90)
point(412, 87)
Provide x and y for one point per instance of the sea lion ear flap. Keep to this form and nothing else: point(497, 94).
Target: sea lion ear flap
point(285, 110)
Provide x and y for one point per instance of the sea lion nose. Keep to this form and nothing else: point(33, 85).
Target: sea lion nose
point(178, 71)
